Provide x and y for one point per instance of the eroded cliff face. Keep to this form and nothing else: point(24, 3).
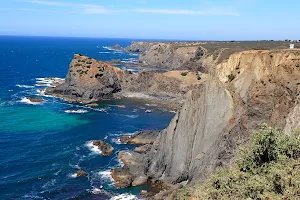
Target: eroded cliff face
point(181, 151)
point(172, 56)
point(87, 80)
point(250, 88)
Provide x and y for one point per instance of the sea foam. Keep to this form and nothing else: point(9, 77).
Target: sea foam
point(124, 197)
point(93, 148)
point(24, 86)
point(27, 101)
point(76, 111)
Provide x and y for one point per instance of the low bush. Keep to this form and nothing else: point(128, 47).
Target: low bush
point(267, 168)
point(184, 73)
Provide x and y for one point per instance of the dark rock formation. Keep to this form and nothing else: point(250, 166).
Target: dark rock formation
point(81, 173)
point(35, 100)
point(87, 80)
point(140, 138)
point(104, 147)
point(117, 47)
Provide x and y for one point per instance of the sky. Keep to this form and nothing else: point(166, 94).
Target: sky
point(153, 19)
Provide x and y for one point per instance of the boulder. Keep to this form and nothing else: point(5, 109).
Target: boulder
point(81, 173)
point(133, 172)
point(35, 100)
point(104, 147)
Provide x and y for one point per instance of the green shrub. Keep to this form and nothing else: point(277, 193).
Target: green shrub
point(266, 168)
point(184, 73)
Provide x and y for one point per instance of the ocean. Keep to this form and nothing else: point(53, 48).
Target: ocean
point(43, 145)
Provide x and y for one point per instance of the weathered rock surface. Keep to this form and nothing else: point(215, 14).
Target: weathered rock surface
point(87, 80)
point(133, 172)
point(254, 87)
point(143, 149)
point(184, 150)
point(104, 147)
point(140, 138)
point(173, 56)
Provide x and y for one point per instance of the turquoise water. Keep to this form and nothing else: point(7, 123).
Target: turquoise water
point(41, 145)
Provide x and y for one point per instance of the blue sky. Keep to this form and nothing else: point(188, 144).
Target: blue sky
point(153, 19)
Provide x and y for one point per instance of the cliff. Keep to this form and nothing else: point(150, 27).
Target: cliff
point(249, 88)
point(89, 80)
point(201, 56)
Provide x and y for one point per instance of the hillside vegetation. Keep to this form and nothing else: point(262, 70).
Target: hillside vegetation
point(266, 168)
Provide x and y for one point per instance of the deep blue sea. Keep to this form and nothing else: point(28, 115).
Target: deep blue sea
point(41, 145)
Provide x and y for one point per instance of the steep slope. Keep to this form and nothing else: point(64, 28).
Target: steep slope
point(257, 86)
point(185, 149)
point(87, 80)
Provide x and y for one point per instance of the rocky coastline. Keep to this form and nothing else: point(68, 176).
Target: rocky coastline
point(220, 103)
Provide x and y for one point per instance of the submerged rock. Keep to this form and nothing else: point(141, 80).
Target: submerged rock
point(104, 147)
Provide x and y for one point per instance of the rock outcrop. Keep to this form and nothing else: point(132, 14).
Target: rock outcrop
point(87, 80)
point(139, 47)
point(140, 138)
point(173, 56)
point(105, 148)
point(133, 173)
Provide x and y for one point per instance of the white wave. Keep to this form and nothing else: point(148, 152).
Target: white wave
point(76, 111)
point(104, 52)
point(27, 101)
point(26, 196)
point(108, 48)
point(47, 82)
point(172, 111)
point(93, 148)
point(106, 175)
point(96, 190)
point(24, 86)
point(73, 175)
point(116, 140)
point(131, 116)
point(49, 183)
point(148, 111)
point(124, 197)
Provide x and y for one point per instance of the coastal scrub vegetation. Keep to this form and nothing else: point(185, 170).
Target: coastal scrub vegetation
point(184, 73)
point(267, 168)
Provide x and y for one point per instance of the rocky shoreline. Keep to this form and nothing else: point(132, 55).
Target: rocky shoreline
point(217, 110)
